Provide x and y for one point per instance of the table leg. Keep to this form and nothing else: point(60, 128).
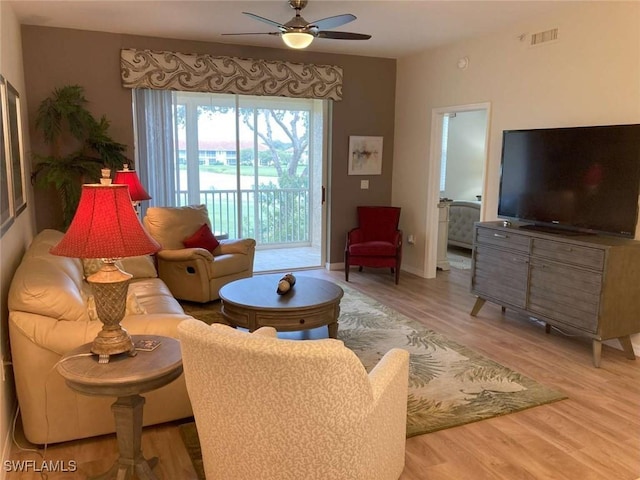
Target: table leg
point(627, 346)
point(597, 352)
point(477, 306)
point(128, 417)
point(333, 330)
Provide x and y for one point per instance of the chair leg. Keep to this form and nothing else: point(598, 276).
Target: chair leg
point(397, 275)
point(360, 268)
point(346, 266)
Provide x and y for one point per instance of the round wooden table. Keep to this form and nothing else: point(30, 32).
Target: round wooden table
point(125, 377)
point(253, 303)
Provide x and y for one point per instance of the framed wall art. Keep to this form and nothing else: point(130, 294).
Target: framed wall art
point(13, 137)
point(365, 155)
point(6, 210)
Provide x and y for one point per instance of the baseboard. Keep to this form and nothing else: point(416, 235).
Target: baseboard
point(415, 271)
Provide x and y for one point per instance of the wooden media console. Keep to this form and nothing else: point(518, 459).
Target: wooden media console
point(585, 284)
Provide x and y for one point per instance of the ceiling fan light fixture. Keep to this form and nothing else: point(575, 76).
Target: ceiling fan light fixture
point(297, 40)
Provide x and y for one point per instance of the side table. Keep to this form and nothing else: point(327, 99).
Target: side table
point(125, 377)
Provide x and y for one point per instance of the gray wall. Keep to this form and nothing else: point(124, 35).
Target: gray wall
point(54, 57)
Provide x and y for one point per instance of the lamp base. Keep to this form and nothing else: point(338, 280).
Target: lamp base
point(110, 286)
point(112, 342)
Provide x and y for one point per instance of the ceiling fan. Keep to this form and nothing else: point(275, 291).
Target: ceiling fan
point(299, 33)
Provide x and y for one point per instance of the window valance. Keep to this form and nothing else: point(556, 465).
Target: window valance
point(206, 73)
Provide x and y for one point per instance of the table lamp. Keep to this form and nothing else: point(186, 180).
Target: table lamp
point(106, 226)
point(136, 190)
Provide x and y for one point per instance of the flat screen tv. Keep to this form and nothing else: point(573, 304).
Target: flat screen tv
point(578, 179)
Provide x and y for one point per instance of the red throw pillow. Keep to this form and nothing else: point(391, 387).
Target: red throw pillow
point(202, 238)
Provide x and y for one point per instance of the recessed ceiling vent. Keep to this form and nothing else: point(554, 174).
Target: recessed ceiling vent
point(541, 38)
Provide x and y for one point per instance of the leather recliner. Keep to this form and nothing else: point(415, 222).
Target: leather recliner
point(195, 274)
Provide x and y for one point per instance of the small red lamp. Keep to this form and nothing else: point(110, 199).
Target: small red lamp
point(136, 190)
point(106, 226)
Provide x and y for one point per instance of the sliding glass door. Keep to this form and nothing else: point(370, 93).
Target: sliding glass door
point(258, 165)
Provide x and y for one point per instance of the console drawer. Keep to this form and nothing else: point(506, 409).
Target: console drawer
point(500, 275)
point(568, 253)
point(312, 318)
point(569, 295)
point(502, 239)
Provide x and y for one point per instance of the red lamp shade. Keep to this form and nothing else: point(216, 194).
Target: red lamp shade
point(105, 226)
point(130, 178)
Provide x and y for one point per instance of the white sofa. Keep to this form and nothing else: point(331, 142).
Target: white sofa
point(49, 316)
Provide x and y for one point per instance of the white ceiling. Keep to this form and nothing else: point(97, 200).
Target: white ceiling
point(398, 27)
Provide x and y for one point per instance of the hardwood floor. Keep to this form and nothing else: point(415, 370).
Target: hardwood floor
point(594, 434)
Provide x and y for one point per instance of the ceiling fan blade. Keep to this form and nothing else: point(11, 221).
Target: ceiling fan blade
point(254, 33)
point(333, 22)
point(343, 35)
point(265, 20)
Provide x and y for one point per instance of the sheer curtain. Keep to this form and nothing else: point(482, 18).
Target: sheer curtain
point(154, 133)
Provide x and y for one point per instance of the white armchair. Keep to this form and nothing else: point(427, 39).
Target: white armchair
point(284, 409)
point(195, 274)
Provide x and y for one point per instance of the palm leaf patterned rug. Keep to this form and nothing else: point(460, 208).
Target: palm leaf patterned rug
point(449, 384)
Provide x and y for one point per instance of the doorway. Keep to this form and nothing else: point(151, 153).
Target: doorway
point(458, 164)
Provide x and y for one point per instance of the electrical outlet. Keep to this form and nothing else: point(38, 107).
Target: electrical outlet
point(411, 240)
point(364, 184)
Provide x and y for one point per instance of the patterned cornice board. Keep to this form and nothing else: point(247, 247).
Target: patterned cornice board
point(192, 72)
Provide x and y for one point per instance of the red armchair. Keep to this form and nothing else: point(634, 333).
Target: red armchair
point(376, 242)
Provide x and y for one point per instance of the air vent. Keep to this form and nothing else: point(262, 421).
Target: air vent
point(544, 37)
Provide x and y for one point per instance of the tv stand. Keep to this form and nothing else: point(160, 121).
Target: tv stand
point(584, 284)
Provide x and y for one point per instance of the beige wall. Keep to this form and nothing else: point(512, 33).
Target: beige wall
point(14, 242)
point(590, 76)
point(55, 57)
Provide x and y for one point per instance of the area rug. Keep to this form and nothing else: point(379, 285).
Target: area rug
point(449, 384)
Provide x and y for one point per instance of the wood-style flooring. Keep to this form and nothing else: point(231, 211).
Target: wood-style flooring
point(594, 434)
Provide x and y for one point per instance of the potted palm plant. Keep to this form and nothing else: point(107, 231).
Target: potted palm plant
point(79, 146)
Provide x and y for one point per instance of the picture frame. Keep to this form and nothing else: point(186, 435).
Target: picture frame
point(365, 155)
point(6, 200)
point(13, 136)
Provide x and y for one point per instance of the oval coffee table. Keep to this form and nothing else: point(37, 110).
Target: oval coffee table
point(253, 303)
